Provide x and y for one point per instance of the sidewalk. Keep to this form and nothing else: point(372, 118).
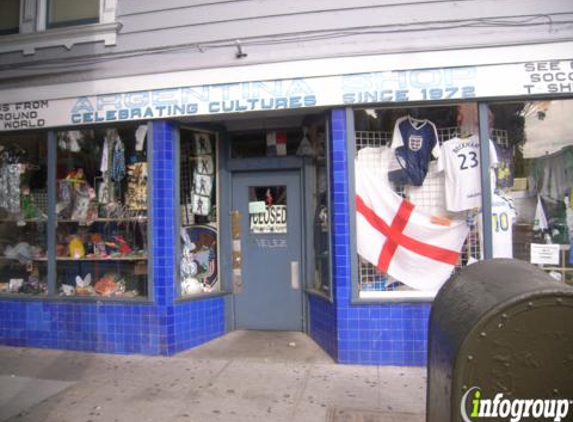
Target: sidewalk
point(244, 376)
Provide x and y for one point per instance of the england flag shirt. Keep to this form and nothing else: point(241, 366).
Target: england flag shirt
point(460, 160)
point(413, 141)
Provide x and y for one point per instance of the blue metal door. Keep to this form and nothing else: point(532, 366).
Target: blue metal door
point(271, 250)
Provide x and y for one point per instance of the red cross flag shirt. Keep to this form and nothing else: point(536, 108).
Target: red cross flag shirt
point(401, 240)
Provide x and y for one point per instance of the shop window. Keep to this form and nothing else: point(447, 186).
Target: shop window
point(72, 12)
point(271, 143)
point(23, 214)
point(199, 250)
point(316, 137)
point(101, 212)
point(418, 197)
point(532, 213)
point(10, 17)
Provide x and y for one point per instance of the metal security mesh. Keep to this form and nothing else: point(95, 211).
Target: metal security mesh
point(186, 181)
point(430, 198)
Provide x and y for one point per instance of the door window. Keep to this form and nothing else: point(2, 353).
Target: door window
point(268, 209)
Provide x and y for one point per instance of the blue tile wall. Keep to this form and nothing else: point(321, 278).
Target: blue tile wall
point(323, 327)
point(162, 327)
point(197, 322)
point(377, 334)
point(95, 327)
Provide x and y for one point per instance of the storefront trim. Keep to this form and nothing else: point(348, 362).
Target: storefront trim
point(421, 85)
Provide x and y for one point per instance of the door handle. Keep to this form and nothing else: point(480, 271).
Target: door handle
point(294, 275)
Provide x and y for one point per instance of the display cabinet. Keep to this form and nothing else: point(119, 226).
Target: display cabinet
point(23, 219)
point(101, 235)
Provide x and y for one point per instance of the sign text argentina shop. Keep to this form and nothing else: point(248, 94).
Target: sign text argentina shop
point(534, 78)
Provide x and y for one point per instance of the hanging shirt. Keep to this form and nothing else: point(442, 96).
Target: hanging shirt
point(460, 160)
point(414, 141)
point(503, 215)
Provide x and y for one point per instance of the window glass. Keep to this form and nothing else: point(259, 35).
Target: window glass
point(198, 266)
point(532, 211)
point(101, 210)
point(268, 209)
point(23, 214)
point(272, 143)
point(316, 138)
point(72, 12)
point(418, 195)
point(10, 17)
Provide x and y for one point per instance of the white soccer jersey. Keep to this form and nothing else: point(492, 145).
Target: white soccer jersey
point(502, 218)
point(460, 160)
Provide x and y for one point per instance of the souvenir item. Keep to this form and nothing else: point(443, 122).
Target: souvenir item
point(199, 258)
point(202, 184)
point(21, 251)
point(414, 142)
point(14, 284)
point(276, 143)
point(83, 285)
point(68, 290)
point(460, 160)
point(136, 198)
point(76, 248)
point(204, 165)
point(305, 148)
point(202, 144)
point(106, 286)
point(118, 161)
point(201, 205)
point(400, 240)
point(140, 134)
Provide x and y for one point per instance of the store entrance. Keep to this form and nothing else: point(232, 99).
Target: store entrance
point(270, 250)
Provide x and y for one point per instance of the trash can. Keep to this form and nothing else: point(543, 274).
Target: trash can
point(500, 346)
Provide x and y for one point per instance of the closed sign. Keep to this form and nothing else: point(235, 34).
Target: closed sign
point(273, 220)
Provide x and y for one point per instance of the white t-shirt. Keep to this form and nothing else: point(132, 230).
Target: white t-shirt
point(460, 160)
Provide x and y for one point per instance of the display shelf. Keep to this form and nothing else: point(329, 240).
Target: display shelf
point(5, 258)
point(107, 258)
point(26, 220)
point(142, 219)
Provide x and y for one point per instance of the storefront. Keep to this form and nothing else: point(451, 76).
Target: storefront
point(151, 221)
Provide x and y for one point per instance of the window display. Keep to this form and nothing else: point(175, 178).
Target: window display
point(317, 149)
point(198, 264)
point(23, 219)
point(101, 212)
point(536, 182)
point(418, 197)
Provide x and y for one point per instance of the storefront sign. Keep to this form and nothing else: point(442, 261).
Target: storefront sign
point(544, 254)
point(534, 78)
point(273, 220)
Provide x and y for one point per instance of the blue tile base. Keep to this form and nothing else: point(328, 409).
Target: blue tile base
point(322, 315)
point(384, 334)
point(381, 334)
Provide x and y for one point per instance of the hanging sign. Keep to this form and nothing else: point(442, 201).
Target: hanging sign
point(544, 254)
point(273, 220)
point(257, 207)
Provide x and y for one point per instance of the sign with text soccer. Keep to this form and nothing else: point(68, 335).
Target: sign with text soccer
point(394, 86)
